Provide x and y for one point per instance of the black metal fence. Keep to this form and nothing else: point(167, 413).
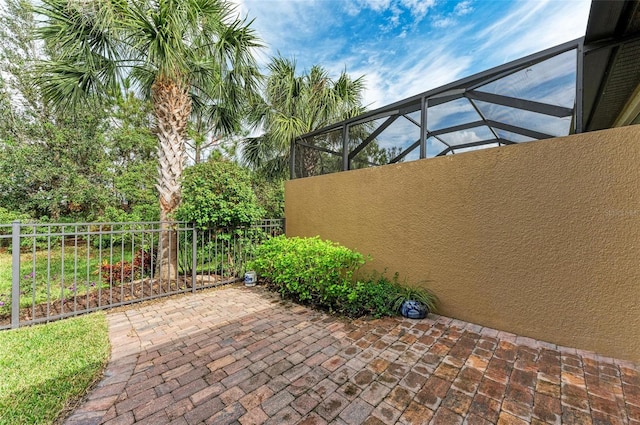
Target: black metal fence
point(52, 271)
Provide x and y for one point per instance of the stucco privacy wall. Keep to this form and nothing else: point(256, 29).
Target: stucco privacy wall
point(540, 239)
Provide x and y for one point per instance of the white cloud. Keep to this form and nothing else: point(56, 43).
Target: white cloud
point(462, 137)
point(448, 20)
point(291, 27)
point(463, 8)
point(377, 5)
point(418, 8)
point(534, 26)
point(351, 8)
point(443, 22)
point(393, 21)
point(392, 80)
point(411, 57)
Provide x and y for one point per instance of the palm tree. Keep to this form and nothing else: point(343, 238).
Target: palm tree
point(294, 105)
point(177, 52)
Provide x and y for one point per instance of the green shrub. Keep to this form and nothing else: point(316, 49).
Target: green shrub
point(29, 227)
point(308, 270)
point(369, 297)
point(139, 213)
point(375, 296)
point(7, 216)
point(270, 195)
point(321, 274)
point(218, 194)
point(221, 251)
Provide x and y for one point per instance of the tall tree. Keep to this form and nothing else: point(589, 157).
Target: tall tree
point(51, 164)
point(131, 146)
point(178, 52)
point(293, 105)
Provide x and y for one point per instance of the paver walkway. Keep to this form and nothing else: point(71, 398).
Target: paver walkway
point(240, 355)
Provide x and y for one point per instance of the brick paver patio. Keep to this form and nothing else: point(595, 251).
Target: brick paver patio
point(240, 355)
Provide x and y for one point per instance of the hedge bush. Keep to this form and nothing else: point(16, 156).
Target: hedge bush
point(306, 269)
point(218, 194)
point(321, 273)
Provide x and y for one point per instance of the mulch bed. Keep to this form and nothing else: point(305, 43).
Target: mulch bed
point(126, 293)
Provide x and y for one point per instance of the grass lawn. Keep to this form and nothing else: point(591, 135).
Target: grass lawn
point(78, 274)
point(45, 368)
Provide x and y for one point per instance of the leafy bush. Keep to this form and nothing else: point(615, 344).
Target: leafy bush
point(307, 269)
point(270, 195)
point(7, 216)
point(123, 228)
point(144, 212)
point(221, 251)
point(375, 297)
point(321, 274)
point(367, 297)
point(29, 227)
point(218, 194)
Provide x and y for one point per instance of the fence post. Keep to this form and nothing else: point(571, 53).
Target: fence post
point(194, 258)
point(15, 278)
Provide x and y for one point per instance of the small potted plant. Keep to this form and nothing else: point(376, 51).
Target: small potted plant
point(414, 302)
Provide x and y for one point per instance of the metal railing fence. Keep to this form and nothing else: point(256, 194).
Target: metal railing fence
point(60, 270)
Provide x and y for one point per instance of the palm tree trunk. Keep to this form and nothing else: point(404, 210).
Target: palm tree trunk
point(171, 106)
point(310, 162)
point(197, 153)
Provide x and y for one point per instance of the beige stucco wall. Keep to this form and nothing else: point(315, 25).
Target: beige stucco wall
point(540, 239)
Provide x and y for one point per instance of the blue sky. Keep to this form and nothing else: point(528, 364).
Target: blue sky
point(405, 47)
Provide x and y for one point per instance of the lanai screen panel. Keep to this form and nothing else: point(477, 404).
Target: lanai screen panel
point(551, 81)
point(529, 99)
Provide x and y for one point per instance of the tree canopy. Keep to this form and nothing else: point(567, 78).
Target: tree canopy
point(218, 194)
point(293, 105)
point(183, 54)
point(99, 100)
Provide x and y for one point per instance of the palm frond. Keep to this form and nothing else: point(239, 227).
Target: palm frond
point(260, 154)
point(296, 104)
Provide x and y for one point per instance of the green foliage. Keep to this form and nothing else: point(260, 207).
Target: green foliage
point(61, 166)
point(28, 242)
point(270, 194)
point(139, 213)
point(218, 194)
point(222, 252)
point(98, 46)
point(45, 368)
point(188, 57)
point(124, 230)
point(132, 152)
point(321, 274)
point(59, 169)
point(7, 216)
point(405, 292)
point(374, 296)
point(308, 270)
point(294, 105)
